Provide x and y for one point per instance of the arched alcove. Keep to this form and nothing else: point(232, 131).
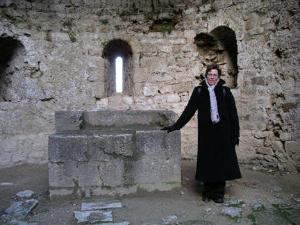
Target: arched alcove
point(10, 51)
point(220, 46)
point(114, 49)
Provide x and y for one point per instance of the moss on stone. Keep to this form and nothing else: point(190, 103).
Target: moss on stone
point(72, 36)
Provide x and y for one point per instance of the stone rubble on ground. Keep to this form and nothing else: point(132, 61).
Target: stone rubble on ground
point(118, 223)
point(258, 206)
point(6, 184)
point(95, 213)
point(232, 212)
point(235, 203)
point(19, 210)
point(85, 206)
point(172, 219)
point(94, 216)
point(25, 194)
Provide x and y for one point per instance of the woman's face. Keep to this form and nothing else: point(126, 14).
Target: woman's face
point(212, 77)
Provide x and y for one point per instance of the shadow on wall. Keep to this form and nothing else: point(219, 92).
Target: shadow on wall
point(10, 51)
point(220, 46)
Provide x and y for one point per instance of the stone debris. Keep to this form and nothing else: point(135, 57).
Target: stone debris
point(85, 206)
point(25, 194)
point(232, 212)
point(235, 203)
point(208, 210)
point(172, 219)
point(19, 222)
point(21, 209)
point(6, 184)
point(118, 223)
point(93, 216)
point(258, 206)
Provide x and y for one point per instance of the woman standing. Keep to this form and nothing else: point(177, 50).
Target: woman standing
point(218, 133)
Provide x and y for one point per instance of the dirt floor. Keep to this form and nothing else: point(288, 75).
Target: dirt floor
point(279, 193)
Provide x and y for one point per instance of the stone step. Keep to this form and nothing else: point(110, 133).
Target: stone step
point(105, 119)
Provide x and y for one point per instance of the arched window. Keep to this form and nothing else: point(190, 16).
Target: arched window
point(220, 46)
point(118, 67)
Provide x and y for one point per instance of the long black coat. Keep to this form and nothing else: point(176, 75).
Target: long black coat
point(216, 158)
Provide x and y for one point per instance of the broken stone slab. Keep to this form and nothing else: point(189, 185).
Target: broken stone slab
point(258, 207)
point(88, 206)
point(19, 222)
point(117, 223)
point(25, 194)
point(235, 203)
point(6, 184)
point(172, 219)
point(21, 209)
point(94, 216)
point(232, 212)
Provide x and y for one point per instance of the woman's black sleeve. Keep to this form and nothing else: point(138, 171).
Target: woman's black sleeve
point(189, 110)
point(233, 115)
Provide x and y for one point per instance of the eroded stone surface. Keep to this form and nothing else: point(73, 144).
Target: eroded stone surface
point(114, 154)
point(58, 65)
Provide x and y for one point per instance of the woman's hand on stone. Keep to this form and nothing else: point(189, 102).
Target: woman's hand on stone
point(169, 128)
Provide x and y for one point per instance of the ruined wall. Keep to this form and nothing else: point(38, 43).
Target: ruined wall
point(56, 63)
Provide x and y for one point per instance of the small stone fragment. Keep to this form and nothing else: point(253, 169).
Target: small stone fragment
point(258, 207)
point(21, 209)
point(118, 223)
point(25, 194)
point(93, 216)
point(6, 184)
point(208, 210)
point(172, 219)
point(18, 222)
point(235, 203)
point(100, 205)
point(232, 212)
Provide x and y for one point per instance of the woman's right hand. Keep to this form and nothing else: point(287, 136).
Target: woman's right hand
point(169, 128)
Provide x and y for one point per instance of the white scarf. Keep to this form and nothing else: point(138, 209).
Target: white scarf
point(214, 115)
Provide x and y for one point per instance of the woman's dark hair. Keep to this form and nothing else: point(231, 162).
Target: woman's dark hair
point(211, 67)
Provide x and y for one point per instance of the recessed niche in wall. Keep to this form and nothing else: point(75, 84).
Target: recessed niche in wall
point(118, 67)
point(11, 62)
point(220, 46)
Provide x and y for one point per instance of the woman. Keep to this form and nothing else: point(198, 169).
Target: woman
point(218, 133)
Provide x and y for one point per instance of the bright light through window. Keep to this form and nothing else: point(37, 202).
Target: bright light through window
point(119, 74)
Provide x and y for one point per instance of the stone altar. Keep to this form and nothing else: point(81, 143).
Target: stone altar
point(112, 152)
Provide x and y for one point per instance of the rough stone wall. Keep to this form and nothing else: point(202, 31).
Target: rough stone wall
point(59, 66)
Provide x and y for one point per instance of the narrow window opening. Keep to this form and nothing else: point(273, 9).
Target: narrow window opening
point(119, 74)
point(118, 69)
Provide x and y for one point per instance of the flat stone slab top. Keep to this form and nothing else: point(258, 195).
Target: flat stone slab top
point(113, 153)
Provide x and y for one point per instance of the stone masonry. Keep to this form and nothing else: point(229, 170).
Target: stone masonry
point(55, 56)
point(113, 152)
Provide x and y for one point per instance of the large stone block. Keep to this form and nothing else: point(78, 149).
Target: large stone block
point(65, 147)
point(113, 152)
point(127, 119)
point(68, 120)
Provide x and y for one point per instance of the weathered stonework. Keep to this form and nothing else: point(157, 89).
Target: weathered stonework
point(114, 152)
point(57, 64)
